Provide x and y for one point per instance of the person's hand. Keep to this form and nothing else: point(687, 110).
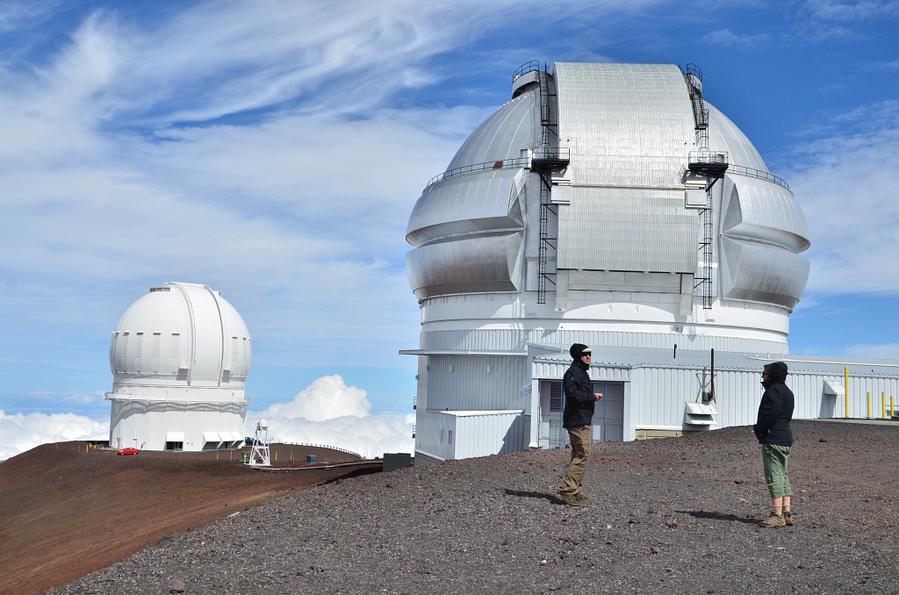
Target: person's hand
point(597, 396)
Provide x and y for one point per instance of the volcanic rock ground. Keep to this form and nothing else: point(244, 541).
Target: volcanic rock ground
point(674, 515)
point(66, 509)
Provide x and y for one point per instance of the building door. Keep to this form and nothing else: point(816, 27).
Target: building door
point(608, 416)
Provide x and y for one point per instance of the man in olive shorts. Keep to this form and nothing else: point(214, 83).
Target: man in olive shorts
point(774, 434)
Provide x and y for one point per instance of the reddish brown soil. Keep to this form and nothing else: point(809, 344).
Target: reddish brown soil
point(66, 509)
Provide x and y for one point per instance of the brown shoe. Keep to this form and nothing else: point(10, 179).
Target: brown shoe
point(775, 520)
point(788, 518)
point(572, 499)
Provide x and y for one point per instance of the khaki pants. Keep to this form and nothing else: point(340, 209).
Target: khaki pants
point(581, 439)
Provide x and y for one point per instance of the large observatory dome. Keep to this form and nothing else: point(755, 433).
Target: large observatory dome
point(606, 204)
point(180, 356)
point(181, 334)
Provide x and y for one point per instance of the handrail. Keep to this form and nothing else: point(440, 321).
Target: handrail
point(529, 66)
point(475, 168)
point(757, 173)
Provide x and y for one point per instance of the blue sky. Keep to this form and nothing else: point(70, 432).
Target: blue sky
point(273, 150)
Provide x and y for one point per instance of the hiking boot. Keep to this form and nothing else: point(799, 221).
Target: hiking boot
point(775, 520)
point(788, 518)
point(572, 499)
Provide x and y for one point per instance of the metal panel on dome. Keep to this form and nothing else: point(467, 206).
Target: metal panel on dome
point(762, 273)
point(475, 203)
point(759, 210)
point(625, 124)
point(479, 264)
point(627, 229)
point(513, 127)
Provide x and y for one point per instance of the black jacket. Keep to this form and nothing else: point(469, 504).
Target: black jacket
point(579, 400)
point(775, 413)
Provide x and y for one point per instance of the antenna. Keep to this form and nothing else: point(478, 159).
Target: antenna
point(260, 455)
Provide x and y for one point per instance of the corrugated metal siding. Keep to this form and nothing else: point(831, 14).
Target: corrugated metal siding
point(626, 124)
point(482, 435)
point(627, 229)
point(551, 371)
point(658, 395)
point(515, 340)
point(478, 382)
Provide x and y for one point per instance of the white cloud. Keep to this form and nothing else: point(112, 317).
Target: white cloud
point(328, 412)
point(846, 181)
point(326, 398)
point(20, 432)
point(882, 351)
point(727, 38)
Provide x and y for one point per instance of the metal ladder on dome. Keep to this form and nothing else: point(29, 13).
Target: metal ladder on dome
point(711, 165)
point(547, 159)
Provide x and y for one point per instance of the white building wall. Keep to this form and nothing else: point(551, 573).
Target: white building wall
point(488, 434)
point(432, 432)
point(145, 425)
point(477, 382)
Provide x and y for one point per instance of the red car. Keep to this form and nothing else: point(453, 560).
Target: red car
point(128, 451)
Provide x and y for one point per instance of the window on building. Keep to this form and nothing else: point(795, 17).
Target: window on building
point(555, 397)
point(449, 437)
point(174, 446)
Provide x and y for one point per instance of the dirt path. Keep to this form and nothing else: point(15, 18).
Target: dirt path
point(66, 510)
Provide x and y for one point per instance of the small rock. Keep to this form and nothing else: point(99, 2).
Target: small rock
point(176, 586)
point(543, 562)
point(653, 550)
point(672, 524)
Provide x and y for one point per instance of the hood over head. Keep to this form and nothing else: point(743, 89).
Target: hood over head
point(777, 373)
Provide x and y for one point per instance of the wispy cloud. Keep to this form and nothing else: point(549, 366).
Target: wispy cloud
point(727, 38)
point(846, 179)
point(883, 351)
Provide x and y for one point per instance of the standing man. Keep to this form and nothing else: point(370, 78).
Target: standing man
point(576, 418)
point(774, 434)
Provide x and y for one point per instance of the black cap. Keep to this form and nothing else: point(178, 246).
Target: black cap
point(579, 350)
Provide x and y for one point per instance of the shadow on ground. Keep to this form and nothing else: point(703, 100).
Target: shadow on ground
point(718, 516)
point(541, 495)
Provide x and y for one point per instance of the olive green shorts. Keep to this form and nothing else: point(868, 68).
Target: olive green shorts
point(776, 460)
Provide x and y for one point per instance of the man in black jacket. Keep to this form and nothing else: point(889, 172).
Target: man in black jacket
point(577, 418)
point(774, 434)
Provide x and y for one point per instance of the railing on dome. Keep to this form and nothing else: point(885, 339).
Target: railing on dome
point(475, 168)
point(529, 66)
point(757, 173)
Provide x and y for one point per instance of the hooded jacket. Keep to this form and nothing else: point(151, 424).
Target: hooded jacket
point(578, 389)
point(775, 409)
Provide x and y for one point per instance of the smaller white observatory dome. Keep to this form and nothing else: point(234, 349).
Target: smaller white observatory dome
point(180, 356)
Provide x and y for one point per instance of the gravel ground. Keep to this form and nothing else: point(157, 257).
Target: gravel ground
point(673, 515)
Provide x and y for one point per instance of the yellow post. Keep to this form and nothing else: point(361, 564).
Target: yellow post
point(892, 411)
point(869, 405)
point(883, 404)
point(846, 389)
